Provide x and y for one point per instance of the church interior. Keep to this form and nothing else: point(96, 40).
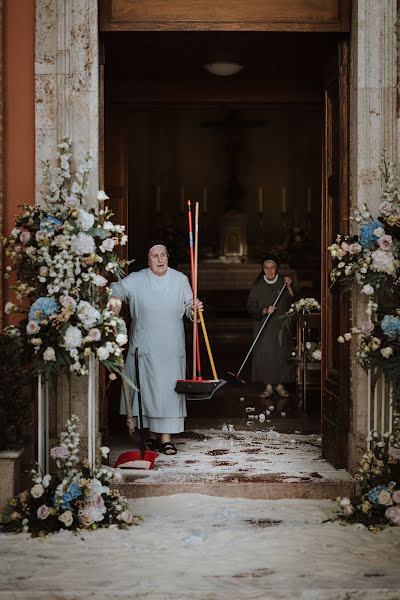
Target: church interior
point(248, 148)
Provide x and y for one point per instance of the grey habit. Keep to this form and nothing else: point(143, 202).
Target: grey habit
point(157, 305)
point(270, 363)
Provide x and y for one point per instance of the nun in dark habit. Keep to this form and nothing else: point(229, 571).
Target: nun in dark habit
point(271, 365)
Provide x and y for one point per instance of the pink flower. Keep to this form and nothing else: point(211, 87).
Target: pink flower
point(383, 261)
point(67, 302)
point(107, 245)
point(393, 515)
point(367, 327)
point(97, 501)
point(32, 327)
point(94, 334)
point(99, 280)
point(71, 202)
point(127, 517)
point(394, 452)
point(396, 497)
point(385, 208)
point(43, 512)
point(385, 242)
point(355, 248)
point(59, 452)
point(25, 237)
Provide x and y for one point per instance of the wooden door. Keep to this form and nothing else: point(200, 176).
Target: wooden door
point(335, 303)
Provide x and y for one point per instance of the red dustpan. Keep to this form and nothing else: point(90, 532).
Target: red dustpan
point(135, 459)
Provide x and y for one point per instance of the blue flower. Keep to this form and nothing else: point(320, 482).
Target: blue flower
point(49, 223)
point(367, 235)
point(42, 308)
point(74, 490)
point(390, 326)
point(373, 495)
point(66, 499)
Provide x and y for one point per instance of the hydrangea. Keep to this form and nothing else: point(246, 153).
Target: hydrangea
point(390, 326)
point(72, 337)
point(87, 314)
point(374, 493)
point(49, 223)
point(43, 308)
point(84, 244)
point(367, 235)
point(85, 220)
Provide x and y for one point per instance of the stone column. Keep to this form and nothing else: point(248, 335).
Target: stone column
point(67, 104)
point(373, 130)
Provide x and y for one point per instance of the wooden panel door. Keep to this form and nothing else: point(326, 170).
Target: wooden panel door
point(335, 208)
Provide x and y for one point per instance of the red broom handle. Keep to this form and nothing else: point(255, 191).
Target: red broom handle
point(196, 346)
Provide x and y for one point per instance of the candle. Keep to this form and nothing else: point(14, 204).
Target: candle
point(182, 199)
point(260, 200)
point(308, 200)
point(284, 208)
point(158, 199)
point(205, 200)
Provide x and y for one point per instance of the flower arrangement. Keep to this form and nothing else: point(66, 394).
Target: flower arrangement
point(378, 502)
point(302, 307)
point(74, 498)
point(63, 255)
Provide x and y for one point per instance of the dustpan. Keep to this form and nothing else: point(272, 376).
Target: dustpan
point(198, 388)
point(135, 459)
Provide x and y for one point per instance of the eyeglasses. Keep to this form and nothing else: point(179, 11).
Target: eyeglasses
point(161, 256)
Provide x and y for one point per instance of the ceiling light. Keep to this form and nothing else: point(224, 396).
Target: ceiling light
point(223, 68)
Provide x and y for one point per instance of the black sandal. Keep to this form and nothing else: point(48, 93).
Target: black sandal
point(152, 444)
point(168, 448)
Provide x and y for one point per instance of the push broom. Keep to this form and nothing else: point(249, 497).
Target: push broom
point(198, 388)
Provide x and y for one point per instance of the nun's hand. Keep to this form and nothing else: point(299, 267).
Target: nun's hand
point(288, 282)
point(114, 305)
point(199, 305)
point(269, 310)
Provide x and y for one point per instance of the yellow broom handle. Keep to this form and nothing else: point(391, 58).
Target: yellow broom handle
point(210, 356)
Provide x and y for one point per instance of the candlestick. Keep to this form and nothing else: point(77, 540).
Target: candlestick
point(260, 200)
point(182, 199)
point(309, 200)
point(284, 207)
point(158, 199)
point(205, 208)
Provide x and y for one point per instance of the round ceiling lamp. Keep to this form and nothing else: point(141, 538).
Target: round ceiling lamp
point(223, 68)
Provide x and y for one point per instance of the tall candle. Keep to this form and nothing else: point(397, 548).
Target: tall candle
point(284, 208)
point(182, 199)
point(158, 199)
point(205, 207)
point(260, 199)
point(309, 200)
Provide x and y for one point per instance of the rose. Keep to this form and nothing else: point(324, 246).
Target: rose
point(379, 232)
point(396, 497)
point(121, 339)
point(49, 354)
point(99, 280)
point(355, 248)
point(67, 302)
point(59, 452)
point(385, 498)
point(367, 327)
point(25, 237)
point(387, 352)
point(32, 327)
point(367, 289)
point(103, 353)
point(127, 517)
point(102, 196)
point(366, 506)
point(393, 515)
point(66, 518)
point(94, 334)
point(385, 208)
point(43, 512)
point(107, 245)
point(37, 490)
point(385, 242)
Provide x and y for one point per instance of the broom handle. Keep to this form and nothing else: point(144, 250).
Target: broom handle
point(192, 277)
point(196, 239)
point(210, 356)
point(261, 330)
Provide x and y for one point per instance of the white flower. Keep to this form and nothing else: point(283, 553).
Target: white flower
point(379, 232)
point(367, 289)
point(37, 491)
point(67, 301)
point(99, 280)
point(101, 196)
point(110, 266)
point(66, 518)
point(355, 248)
point(103, 353)
point(10, 308)
point(46, 480)
point(386, 352)
point(25, 237)
point(87, 314)
point(123, 240)
point(72, 337)
point(85, 220)
point(32, 327)
point(383, 261)
point(341, 339)
point(108, 226)
point(83, 244)
point(94, 334)
point(385, 208)
point(107, 245)
point(49, 354)
point(121, 339)
point(316, 355)
point(385, 242)
point(104, 451)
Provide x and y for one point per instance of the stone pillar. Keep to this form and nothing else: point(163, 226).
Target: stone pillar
point(67, 104)
point(373, 130)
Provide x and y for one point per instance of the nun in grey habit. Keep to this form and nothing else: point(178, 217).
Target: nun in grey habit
point(158, 298)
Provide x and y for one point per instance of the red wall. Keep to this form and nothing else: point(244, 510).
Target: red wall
point(19, 111)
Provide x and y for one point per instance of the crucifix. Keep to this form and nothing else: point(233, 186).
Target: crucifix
point(232, 126)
